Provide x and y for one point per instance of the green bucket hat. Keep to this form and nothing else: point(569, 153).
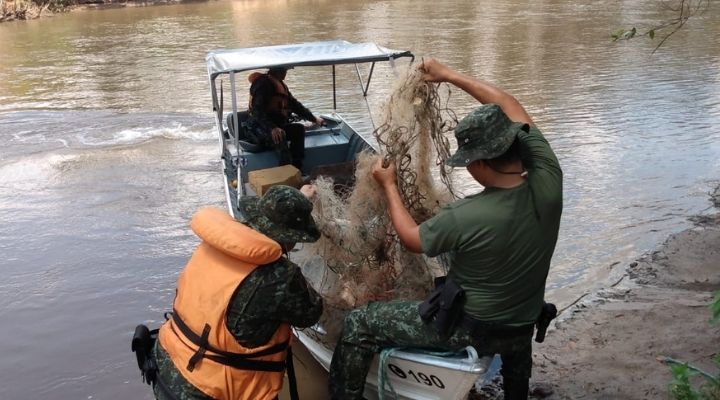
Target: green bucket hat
point(484, 134)
point(283, 214)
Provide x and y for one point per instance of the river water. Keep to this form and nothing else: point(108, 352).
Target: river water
point(107, 148)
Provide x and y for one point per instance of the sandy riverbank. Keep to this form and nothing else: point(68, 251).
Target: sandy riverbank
point(608, 345)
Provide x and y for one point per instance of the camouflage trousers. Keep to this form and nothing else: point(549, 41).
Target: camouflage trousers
point(378, 325)
point(171, 385)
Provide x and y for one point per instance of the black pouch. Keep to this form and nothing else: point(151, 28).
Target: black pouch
point(142, 345)
point(445, 304)
point(428, 308)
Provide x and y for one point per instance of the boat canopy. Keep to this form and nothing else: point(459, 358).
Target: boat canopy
point(302, 54)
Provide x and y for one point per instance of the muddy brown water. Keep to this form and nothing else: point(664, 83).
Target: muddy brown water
point(107, 149)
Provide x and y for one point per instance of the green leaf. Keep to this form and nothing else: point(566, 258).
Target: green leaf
point(618, 34)
point(680, 384)
point(629, 34)
point(680, 371)
point(651, 33)
point(715, 308)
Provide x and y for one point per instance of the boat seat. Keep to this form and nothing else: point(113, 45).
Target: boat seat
point(244, 144)
point(242, 117)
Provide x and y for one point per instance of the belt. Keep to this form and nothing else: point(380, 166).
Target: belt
point(476, 326)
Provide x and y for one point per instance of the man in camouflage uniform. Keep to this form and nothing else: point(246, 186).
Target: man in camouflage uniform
point(499, 243)
point(270, 295)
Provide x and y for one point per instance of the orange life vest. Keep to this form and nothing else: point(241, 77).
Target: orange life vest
point(228, 253)
point(279, 101)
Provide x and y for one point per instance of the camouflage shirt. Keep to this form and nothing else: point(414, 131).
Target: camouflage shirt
point(270, 295)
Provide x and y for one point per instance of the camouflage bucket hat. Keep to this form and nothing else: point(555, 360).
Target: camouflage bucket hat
point(484, 134)
point(282, 213)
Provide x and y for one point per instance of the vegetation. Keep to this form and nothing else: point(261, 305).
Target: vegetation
point(29, 9)
point(683, 11)
point(681, 387)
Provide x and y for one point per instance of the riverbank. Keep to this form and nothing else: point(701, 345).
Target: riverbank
point(24, 10)
point(609, 345)
point(27, 9)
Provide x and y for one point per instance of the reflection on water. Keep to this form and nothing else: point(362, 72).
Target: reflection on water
point(107, 147)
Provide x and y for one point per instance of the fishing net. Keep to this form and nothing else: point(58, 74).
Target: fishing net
point(360, 254)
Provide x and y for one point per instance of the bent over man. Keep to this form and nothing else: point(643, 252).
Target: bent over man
point(271, 106)
point(499, 243)
point(236, 299)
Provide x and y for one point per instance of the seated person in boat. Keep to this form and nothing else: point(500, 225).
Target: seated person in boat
point(499, 242)
point(238, 296)
point(271, 111)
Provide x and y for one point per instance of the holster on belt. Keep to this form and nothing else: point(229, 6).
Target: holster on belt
point(444, 306)
point(548, 313)
point(142, 345)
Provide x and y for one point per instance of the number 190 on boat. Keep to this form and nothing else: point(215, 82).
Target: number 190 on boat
point(420, 377)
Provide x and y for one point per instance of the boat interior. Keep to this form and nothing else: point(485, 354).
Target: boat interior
point(330, 149)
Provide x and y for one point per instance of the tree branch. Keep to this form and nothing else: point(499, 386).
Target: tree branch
point(686, 9)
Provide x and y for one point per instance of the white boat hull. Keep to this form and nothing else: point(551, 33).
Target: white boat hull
point(415, 375)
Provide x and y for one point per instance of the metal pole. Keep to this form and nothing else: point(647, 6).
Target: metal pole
point(367, 104)
point(334, 91)
point(234, 108)
point(236, 137)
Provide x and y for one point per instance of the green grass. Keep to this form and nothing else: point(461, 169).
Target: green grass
point(684, 386)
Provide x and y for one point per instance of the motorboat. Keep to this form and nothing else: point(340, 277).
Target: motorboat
point(404, 373)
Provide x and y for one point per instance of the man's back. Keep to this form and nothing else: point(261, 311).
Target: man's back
point(500, 242)
point(237, 294)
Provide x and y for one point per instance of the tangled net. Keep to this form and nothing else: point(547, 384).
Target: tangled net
point(359, 254)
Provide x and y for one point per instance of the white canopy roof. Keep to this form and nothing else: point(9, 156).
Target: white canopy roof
point(315, 53)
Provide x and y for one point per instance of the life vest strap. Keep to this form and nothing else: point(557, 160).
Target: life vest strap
point(234, 360)
point(202, 346)
point(253, 365)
